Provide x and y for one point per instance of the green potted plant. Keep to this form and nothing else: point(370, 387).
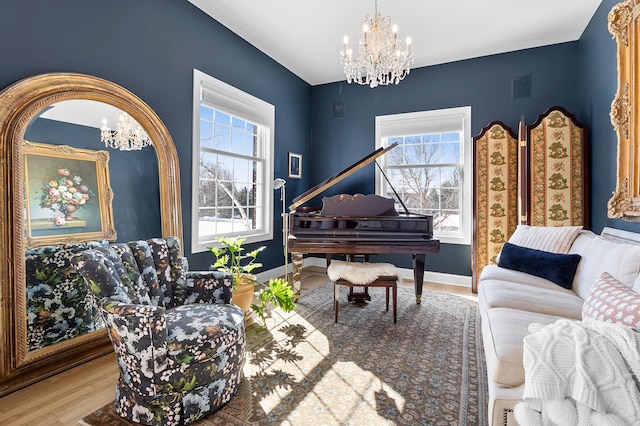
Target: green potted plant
point(232, 258)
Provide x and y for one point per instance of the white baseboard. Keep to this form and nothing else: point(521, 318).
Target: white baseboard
point(406, 273)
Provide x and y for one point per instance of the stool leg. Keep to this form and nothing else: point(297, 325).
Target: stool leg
point(395, 301)
point(336, 301)
point(387, 299)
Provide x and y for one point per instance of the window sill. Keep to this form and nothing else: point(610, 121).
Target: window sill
point(448, 239)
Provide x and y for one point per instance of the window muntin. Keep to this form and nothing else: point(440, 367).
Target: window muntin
point(234, 149)
point(427, 167)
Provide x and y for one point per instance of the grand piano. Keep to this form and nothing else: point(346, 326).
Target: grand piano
point(357, 225)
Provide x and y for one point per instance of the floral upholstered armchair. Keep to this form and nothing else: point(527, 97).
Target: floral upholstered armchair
point(179, 342)
point(59, 304)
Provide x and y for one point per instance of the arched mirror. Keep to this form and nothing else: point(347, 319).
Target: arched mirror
point(64, 183)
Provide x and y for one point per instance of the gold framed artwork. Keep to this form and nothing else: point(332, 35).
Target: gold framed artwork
point(625, 112)
point(295, 165)
point(67, 194)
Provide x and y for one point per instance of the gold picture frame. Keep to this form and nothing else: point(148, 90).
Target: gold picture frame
point(68, 195)
point(625, 112)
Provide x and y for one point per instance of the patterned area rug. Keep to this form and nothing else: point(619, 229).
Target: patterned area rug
point(428, 369)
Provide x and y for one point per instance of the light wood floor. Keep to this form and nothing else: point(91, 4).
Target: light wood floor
point(67, 397)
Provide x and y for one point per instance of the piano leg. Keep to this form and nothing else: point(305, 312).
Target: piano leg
point(296, 259)
point(418, 275)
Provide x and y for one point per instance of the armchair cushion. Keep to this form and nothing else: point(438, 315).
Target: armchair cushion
point(201, 332)
point(205, 287)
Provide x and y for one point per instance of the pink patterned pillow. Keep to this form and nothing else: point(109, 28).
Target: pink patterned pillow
point(611, 301)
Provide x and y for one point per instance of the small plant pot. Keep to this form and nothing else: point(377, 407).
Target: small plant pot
point(242, 297)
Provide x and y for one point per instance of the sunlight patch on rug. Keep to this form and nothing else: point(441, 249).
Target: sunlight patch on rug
point(305, 369)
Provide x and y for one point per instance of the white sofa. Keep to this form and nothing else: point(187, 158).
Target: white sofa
point(510, 300)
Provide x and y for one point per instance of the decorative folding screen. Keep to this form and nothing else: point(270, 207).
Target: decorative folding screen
point(557, 181)
point(539, 180)
point(496, 193)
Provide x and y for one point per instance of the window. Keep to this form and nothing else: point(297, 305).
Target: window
point(430, 168)
point(233, 134)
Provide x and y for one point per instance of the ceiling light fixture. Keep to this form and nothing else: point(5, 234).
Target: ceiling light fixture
point(381, 60)
point(128, 136)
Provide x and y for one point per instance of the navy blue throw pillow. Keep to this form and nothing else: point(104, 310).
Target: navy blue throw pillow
point(558, 268)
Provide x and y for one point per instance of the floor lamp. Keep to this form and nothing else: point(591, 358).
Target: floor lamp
point(280, 183)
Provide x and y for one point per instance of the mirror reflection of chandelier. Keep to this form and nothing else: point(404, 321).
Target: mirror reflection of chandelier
point(381, 60)
point(129, 135)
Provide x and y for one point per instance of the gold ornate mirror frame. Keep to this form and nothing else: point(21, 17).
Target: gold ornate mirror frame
point(20, 103)
point(625, 111)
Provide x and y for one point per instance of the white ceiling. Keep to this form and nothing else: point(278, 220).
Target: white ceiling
point(83, 112)
point(306, 36)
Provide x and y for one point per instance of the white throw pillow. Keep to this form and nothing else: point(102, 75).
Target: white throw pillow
point(622, 261)
point(554, 239)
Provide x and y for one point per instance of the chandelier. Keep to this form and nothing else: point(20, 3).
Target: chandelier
point(381, 60)
point(128, 135)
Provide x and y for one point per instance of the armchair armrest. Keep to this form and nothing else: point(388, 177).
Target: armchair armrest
point(131, 322)
point(207, 287)
point(139, 337)
point(130, 311)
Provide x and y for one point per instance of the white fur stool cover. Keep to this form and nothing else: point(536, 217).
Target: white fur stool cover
point(360, 273)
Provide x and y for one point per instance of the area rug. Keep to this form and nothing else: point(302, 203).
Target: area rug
point(427, 369)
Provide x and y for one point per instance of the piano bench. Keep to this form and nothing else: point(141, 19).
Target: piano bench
point(353, 274)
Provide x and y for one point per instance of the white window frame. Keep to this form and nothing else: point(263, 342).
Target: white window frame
point(434, 121)
point(228, 99)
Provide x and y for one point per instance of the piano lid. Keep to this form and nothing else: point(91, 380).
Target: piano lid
point(306, 196)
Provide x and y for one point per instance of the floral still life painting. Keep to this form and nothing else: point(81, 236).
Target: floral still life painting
point(64, 194)
point(67, 194)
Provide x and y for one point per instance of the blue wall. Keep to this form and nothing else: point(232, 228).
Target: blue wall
point(483, 83)
point(152, 50)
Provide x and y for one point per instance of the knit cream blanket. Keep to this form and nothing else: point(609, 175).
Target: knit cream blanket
point(581, 373)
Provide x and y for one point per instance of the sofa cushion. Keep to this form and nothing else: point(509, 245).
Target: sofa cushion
point(600, 255)
point(503, 331)
point(539, 295)
point(558, 268)
point(554, 239)
point(494, 272)
point(611, 301)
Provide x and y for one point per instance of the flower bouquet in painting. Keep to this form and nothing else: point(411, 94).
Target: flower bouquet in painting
point(64, 194)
